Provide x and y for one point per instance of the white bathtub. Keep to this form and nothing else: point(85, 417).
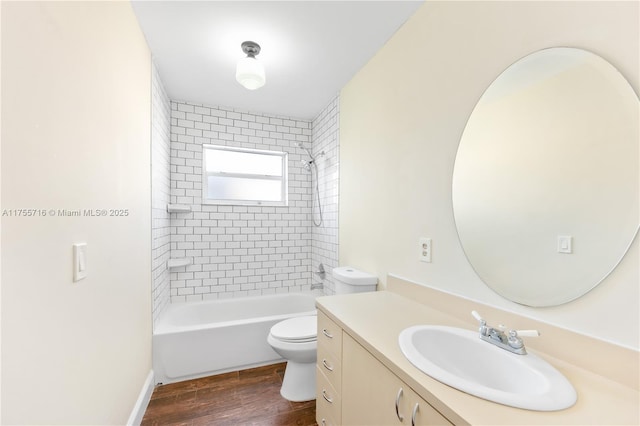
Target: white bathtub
point(199, 339)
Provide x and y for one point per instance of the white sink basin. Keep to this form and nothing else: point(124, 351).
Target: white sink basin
point(458, 358)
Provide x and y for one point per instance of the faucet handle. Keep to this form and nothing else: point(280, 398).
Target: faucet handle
point(515, 341)
point(484, 330)
point(477, 316)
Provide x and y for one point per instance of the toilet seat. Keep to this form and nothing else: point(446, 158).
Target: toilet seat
point(296, 330)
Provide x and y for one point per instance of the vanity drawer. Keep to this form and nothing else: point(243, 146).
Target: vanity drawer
point(331, 366)
point(329, 335)
point(325, 421)
point(328, 401)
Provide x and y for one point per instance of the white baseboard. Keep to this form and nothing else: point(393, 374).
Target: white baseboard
point(143, 401)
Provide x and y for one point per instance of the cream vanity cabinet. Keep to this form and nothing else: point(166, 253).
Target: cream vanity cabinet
point(354, 388)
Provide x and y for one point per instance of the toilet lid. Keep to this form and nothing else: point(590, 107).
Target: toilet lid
point(296, 329)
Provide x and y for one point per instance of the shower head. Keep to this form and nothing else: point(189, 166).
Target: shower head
point(299, 145)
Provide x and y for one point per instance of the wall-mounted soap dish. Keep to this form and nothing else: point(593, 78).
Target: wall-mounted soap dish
point(178, 208)
point(178, 262)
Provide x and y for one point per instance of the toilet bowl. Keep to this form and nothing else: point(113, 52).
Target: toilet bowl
point(295, 339)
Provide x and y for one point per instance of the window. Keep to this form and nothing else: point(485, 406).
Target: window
point(244, 176)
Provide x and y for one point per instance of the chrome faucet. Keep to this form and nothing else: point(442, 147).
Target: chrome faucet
point(321, 274)
point(320, 271)
point(510, 341)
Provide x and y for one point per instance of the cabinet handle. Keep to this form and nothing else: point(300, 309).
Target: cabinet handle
point(326, 365)
point(414, 414)
point(323, 422)
point(398, 396)
point(324, 395)
point(326, 333)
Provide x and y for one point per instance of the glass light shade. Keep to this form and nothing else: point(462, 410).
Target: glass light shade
point(250, 73)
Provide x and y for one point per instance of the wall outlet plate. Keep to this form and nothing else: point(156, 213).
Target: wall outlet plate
point(425, 250)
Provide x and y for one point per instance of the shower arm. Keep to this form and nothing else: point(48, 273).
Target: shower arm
point(313, 159)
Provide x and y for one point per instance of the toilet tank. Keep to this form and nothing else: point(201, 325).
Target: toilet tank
point(350, 280)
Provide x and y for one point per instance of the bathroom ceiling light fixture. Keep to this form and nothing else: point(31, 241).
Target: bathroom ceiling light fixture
point(250, 72)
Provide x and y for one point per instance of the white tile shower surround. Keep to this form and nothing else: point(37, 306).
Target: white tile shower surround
point(237, 250)
point(161, 189)
point(324, 239)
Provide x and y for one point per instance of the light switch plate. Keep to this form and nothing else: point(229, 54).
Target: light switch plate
point(565, 244)
point(79, 261)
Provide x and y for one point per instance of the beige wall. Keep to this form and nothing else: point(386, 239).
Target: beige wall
point(0, 220)
point(75, 135)
point(402, 116)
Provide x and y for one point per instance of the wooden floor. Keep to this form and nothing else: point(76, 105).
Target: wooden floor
point(248, 397)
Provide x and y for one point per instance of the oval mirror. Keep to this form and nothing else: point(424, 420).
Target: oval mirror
point(546, 178)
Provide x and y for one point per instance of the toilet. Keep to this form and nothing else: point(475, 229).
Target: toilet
point(295, 339)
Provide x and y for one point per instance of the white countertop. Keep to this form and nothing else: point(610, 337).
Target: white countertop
point(376, 319)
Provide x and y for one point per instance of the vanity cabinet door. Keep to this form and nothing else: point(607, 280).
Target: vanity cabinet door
point(419, 412)
point(373, 395)
point(369, 389)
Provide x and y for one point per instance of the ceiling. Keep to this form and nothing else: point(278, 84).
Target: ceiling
point(310, 49)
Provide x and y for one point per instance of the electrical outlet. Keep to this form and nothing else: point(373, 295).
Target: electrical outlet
point(425, 250)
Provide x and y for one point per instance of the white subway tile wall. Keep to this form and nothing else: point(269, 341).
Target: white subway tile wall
point(237, 251)
point(160, 194)
point(324, 239)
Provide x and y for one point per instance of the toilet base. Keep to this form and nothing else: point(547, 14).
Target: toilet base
point(299, 383)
